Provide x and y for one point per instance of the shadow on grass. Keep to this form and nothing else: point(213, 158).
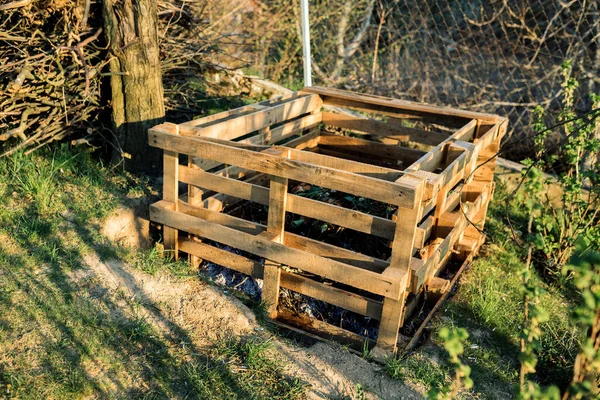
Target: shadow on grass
point(64, 333)
point(80, 336)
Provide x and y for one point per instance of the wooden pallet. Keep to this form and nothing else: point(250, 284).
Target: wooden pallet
point(433, 165)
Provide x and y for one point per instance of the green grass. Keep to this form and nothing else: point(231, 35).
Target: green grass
point(489, 305)
point(153, 261)
point(418, 368)
point(63, 334)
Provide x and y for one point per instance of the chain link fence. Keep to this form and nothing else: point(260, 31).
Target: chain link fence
point(497, 56)
point(502, 57)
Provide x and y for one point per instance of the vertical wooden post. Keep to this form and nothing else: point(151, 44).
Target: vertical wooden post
point(276, 224)
point(276, 227)
point(392, 315)
point(171, 193)
point(194, 198)
point(194, 193)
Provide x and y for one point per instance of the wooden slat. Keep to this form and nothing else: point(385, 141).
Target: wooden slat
point(306, 141)
point(163, 213)
point(400, 266)
point(284, 131)
point(346, 143)
point(374, 171)
point(360, 185)
point(171, 193)
point(219, 116)
point(423, 232)
point(466, 133)
point(391, 321)
point(408, 107)
point(278, 194)
point(330, 213)
point(342, 255)
point(244, 124)
point(329, 294)
point(454, 172)
point(228, 114)
point(296, 241)
point(320, 291)
point(383, 129)
point(221, 257)
point(404, 237)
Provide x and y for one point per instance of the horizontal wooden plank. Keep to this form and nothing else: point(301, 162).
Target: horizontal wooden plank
point(307, 141)
point(335, 253)
point(228, 114)
point(329, 294)
point(317, 290)
point(407, 155)
point(284, 131)
point(363, 158)
point(330, 213)
point(227, 221)
point(336, 163)
point(222, 116)
point(383, 129)
point(222, 257)
point(296, 241)
point(408, 107)
point(162, 212)
point(244, 124)
point(347, 182)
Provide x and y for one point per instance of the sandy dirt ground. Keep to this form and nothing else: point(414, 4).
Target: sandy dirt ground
point(207, 313)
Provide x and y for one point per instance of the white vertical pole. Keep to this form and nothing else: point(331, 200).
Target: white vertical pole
point(306, 42)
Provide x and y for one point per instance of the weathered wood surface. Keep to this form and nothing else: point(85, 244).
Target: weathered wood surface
point(351, 100)
point(363, 185)
point(164, 213)
point(439, 195)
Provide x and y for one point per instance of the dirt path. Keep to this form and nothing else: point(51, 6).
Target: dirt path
point(205, 313)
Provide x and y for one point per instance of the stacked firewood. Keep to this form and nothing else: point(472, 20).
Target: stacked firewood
point(50, 64)
point(53, 58)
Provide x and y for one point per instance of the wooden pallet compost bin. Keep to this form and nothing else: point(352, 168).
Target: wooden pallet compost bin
point(433, 167)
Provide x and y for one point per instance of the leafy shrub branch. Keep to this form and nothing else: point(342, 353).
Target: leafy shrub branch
point(559, 192)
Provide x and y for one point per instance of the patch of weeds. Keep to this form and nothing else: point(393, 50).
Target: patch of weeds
point(418, 368)
point(366, 350)
point(36, 179)
point(489, 305)
point(154, 260)
point(360, 392)
point(253, 360)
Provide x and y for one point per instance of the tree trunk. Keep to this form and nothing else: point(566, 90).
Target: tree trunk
point(136, 83)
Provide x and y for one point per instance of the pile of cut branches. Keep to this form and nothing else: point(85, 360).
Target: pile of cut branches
point(53, 56)
point(50, 64)
point(188, 44)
